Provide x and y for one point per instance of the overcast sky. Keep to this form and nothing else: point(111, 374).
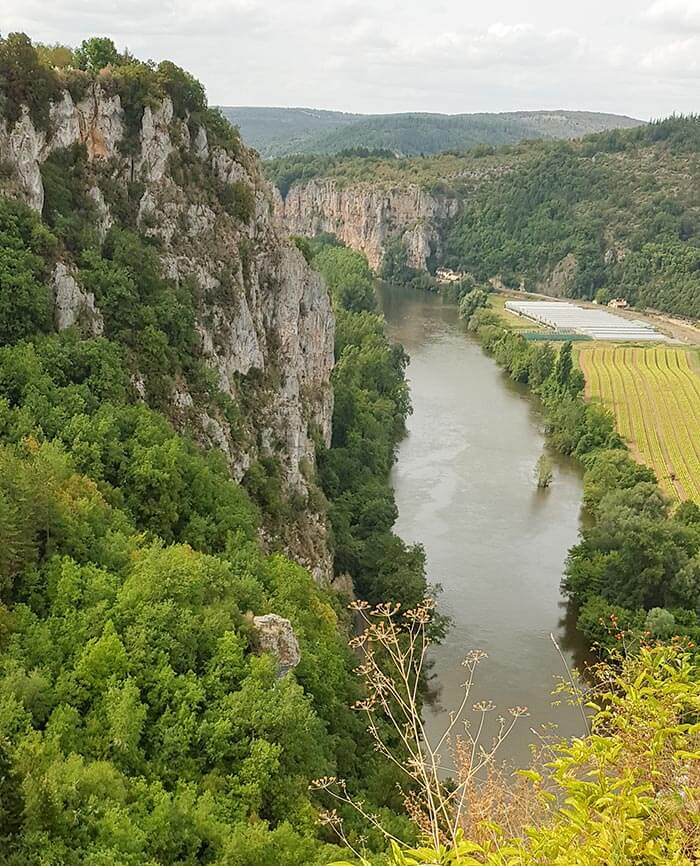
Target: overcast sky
point(636, 57)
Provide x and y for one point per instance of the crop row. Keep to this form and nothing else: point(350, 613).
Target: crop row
point(655, 396)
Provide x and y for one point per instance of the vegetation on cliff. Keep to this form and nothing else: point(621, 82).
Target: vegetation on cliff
point(371, 405)
point(140, 722)
point(616, 214)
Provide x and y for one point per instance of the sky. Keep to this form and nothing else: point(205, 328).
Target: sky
point(634, 57)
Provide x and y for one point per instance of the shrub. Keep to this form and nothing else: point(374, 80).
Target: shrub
point(25, 80)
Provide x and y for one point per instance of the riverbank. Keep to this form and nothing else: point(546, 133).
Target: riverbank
point(635, 573)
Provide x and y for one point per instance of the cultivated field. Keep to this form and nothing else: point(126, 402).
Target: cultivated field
point(655, 395)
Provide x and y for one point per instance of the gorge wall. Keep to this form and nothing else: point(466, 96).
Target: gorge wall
point(264, 323)
point(367, 216)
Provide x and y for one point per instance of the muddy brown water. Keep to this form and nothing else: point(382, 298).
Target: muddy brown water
point(495, 543)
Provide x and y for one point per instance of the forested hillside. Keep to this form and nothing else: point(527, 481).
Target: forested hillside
point(616, 213)
point(283, 131)
point(171, 680)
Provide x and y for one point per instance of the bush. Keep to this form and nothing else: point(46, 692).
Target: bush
point(25, 80)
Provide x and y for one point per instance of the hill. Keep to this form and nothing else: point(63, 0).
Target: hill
point(278, 132)
point(616, 213)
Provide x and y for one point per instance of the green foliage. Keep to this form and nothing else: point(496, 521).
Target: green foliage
point(154, 317)
point(187, 94)
point(395, 268)
point(68, 209)
point(97, 53)
point(25, 80)
point(567, 211)
point(238, 200)
point(57, 56)
point(130, 659)
point(25, 246)
point(371, 405)
point(348, 277)
point(474, 300)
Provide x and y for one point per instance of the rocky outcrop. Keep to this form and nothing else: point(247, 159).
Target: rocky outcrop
point(559, 283)
point(367, 216)
point(263, 317)
point(275, 635)
point(73, 306)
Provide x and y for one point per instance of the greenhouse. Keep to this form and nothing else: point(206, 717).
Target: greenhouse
point(565, 318)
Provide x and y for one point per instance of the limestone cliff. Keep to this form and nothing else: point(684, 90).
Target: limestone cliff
point(263, 318)
point(366, 216)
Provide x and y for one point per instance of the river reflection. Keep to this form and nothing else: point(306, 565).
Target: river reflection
point(497, 545)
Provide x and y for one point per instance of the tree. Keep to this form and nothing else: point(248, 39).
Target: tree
point(474, 300)
point(97, 53)
point(564, 365)
point(544, 472)
point(660, 623)
point(25, 80)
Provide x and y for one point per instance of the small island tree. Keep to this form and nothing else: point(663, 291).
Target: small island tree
point(544, 472)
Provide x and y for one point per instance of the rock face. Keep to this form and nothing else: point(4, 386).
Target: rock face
point(263, 317)
point(276, 636)
point(366, 217)
point(73, 306)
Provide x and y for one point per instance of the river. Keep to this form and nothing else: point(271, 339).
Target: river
point(495, 543)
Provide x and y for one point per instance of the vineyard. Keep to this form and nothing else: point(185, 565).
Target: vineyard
point(654, 393)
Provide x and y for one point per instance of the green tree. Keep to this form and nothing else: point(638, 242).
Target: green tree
point(96, 53)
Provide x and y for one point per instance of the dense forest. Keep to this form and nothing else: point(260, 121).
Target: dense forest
point(617, 214)
point(140, 720)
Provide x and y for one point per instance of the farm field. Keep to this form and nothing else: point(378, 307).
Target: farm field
point(654, 393)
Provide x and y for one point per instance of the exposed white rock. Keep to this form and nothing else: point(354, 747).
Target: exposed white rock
point(104, 217)
point(64, 123)
point(275, 635)
point(201, 144)
point(365, 216)
point(73, 306)
point(21, 147)
point(261, 312)
point(156, 145)
point(101, 121)
point(200, 218)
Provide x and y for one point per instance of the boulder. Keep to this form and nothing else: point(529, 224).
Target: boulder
point(276, 636)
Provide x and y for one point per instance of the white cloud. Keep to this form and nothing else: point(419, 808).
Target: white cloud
point(403, 55)
point(680, 58)
point(680, 15)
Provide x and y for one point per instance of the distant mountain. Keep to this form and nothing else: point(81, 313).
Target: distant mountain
point(283, 131)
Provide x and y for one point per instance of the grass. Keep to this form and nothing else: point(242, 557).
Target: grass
point(517, 323)
point(654, 393)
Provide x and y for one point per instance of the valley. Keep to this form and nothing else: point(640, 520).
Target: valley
point(280, 465)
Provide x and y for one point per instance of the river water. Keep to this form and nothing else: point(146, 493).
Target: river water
point(465, 490)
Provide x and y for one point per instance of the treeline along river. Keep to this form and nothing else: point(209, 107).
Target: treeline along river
point(465, 489)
